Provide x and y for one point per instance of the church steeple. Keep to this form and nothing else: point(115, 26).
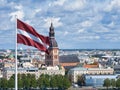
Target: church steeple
point(53, 58)
point(53, 42)
point(51, 32)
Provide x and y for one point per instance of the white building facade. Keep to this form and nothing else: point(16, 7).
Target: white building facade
point(8, 72)
point(78, 71)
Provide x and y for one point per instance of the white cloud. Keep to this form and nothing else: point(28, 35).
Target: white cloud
point(87, 38)
point(19, 14)
point(32, 12)
point(112, 37)
point(113, 4)
point(28, 22)
point(74, 5)
point(38, 10)
point(56, 22)
point(18, 7)
point(70, 5)
point(101, 29)
point(80, 30)
point(65, 33)
point(59, 2)
point(86, 23)
point(78, 20)
point(111, 24)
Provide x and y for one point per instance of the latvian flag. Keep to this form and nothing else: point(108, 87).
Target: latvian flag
point(27, 35)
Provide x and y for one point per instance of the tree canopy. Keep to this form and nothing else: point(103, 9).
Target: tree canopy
point(28, 81)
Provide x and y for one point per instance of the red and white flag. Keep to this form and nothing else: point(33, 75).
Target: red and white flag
point(27, 35)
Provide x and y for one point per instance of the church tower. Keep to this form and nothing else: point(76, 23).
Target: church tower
point(53, 58)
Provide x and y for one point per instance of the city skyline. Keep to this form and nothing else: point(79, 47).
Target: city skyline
point(78, 24)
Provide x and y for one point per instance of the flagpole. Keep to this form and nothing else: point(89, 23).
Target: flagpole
point(16, 72)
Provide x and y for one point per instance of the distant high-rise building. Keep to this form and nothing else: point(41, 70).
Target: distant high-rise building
point(53, 58)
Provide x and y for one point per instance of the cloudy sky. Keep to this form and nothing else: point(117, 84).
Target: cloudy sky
point(79, 24)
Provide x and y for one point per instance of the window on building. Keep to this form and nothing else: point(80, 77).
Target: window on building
point(55, 57)
point(55, 51)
